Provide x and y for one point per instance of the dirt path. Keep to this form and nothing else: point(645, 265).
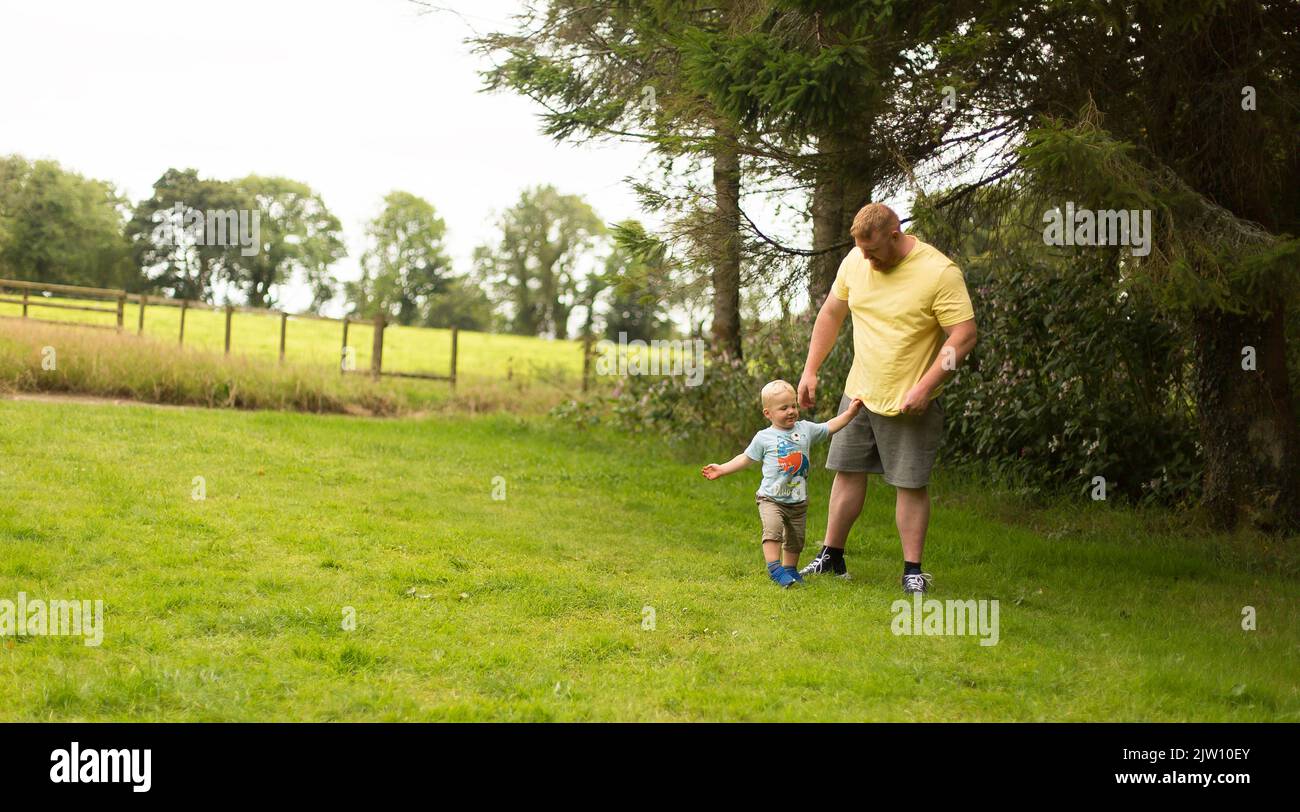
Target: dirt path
point(60, 397)
point(351, 410)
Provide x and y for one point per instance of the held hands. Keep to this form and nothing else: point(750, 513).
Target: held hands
point(845, 417)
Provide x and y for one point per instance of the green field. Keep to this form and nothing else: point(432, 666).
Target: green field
point(534, 607)
point(482, 357)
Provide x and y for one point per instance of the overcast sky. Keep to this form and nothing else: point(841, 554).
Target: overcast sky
point(356, 98)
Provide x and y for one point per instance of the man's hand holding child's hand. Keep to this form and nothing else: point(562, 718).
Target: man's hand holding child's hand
point(845, 417)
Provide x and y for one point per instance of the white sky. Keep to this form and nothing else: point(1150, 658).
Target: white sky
point(356, 98)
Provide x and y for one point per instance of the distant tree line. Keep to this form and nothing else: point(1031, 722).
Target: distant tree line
point(553, 272)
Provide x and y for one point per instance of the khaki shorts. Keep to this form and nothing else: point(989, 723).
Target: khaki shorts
point(783, 522)
point(901, 447)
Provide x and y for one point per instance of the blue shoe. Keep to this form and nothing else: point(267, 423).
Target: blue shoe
point(781, 575)
point(794, 573)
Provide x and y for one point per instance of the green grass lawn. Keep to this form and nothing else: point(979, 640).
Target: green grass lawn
point(481, 356)
point(532, 607)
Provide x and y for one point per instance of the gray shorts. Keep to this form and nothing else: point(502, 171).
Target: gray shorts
point(901, 447)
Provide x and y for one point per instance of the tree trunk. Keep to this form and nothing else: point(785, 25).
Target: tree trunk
point(726, 264)
point(1247, 418)
point(1248, 424)
point(841, 188)
point(828, 221)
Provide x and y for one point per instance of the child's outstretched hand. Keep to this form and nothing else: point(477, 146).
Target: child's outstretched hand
point(854, 407)
point(711, 471)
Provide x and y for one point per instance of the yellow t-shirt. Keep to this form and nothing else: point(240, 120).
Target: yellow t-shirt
point(898, 316)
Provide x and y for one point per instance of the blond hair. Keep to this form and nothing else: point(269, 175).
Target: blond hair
point(871, 217)
point(774, 388)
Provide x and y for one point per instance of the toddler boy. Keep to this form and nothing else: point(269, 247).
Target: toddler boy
point(782, 497)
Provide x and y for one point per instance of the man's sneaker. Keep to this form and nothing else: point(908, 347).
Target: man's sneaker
point(794, 573)
point(916, 582)
point(824, 565)
point(780, 575)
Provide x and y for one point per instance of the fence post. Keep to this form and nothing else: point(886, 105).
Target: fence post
point(185, 305)
point(455, 340)
point(586, 359)
point(143, 299)
point(24, 302)
point(377, 349)
point(230, 311)
point(284, 323)
point(121, 310)
point(343, 354)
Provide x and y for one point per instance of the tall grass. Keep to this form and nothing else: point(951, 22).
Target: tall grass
point(53, 358)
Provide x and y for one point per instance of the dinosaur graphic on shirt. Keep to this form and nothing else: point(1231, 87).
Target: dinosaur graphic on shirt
point(792, 461)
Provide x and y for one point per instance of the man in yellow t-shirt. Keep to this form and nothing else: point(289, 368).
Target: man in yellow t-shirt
point(913, 325)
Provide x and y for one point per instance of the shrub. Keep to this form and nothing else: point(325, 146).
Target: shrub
point(724, 409)
point(1072, 380)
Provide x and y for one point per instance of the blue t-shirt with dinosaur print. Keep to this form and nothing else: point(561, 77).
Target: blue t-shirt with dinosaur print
point(784, 455)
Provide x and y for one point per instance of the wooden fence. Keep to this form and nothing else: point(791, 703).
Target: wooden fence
point(120, 298)
point(25, 288)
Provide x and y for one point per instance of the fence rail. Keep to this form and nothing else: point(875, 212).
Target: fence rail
point(120, 298)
